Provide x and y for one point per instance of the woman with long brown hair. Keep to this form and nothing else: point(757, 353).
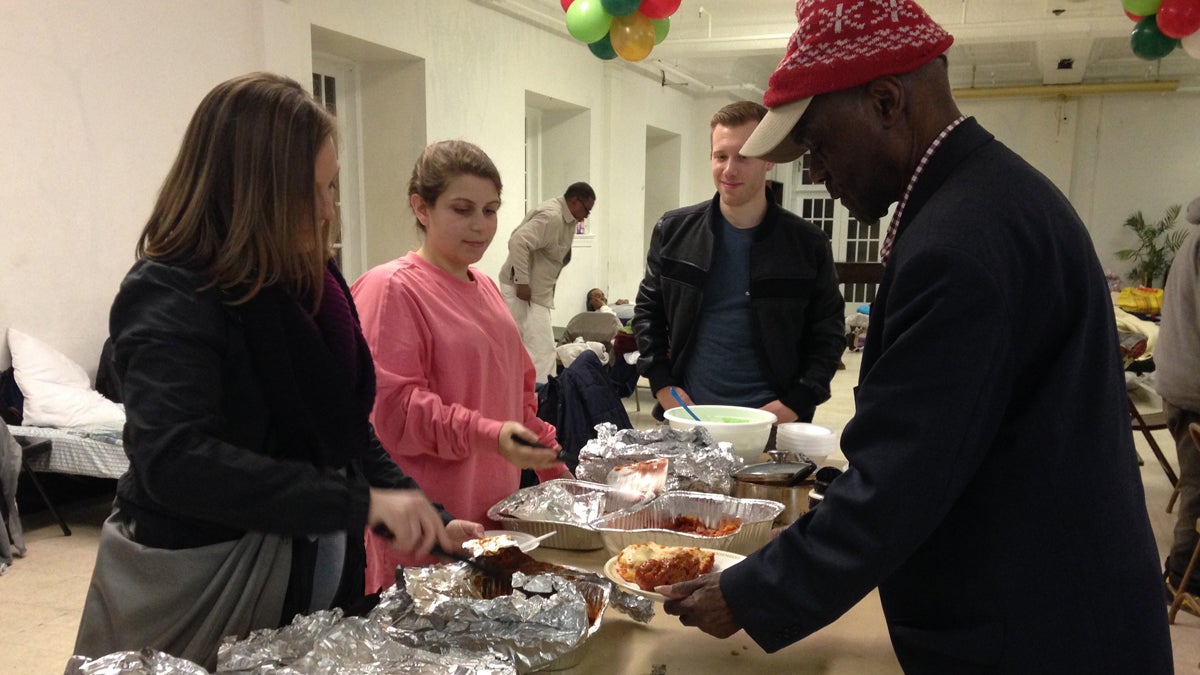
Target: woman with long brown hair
point(247, 386)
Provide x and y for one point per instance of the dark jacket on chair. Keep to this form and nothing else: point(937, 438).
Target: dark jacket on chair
point(581, 397)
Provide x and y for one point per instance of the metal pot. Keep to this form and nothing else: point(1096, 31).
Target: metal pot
point(785, 479)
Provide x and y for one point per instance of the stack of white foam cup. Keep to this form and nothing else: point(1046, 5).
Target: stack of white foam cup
point(813, 441)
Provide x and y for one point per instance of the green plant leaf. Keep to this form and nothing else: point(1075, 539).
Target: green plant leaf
point(1157, 245)
point(1175, 240)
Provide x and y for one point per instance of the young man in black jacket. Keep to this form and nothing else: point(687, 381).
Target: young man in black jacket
point(740, 303)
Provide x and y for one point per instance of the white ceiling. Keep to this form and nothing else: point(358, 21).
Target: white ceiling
point(734, 45)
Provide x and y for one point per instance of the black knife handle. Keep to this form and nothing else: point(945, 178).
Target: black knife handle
point(529, 444)
point(561, 456)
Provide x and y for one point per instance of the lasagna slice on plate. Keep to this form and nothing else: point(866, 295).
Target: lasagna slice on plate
point(649, 565)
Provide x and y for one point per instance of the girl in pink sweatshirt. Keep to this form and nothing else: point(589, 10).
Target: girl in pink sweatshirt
point(454, 382)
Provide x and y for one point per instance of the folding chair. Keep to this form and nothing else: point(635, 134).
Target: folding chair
point(599, 327)
point(1147, 424)
point(1183, 599)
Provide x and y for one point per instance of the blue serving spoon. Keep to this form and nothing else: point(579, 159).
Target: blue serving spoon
point(675, 395)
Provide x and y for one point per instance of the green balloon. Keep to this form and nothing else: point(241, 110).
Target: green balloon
point(1141, 7)
point(661, 28)
point(587, 21)
point(620, 7)
point(603, 49)
point(1147, 40)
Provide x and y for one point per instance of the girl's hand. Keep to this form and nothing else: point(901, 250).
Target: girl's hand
point(522, 454)
point(459, 531)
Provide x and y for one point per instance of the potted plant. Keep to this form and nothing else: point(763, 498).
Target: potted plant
point(1157, 244)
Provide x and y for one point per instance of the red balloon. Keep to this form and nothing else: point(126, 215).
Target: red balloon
point(1178, 18)
point(566, 4)
point(1132, 17)
point(659, 9)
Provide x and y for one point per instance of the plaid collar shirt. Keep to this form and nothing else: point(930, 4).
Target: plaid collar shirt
point(885, 251)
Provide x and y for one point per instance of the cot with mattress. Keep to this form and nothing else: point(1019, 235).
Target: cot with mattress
point(82, 451)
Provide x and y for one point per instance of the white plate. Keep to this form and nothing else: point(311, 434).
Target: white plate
point(722, 560)
point(524, 540)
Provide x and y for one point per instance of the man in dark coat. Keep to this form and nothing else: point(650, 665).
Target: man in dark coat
point(992, 493)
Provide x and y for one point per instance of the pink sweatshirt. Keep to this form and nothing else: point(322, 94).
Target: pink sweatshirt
point(450, 370)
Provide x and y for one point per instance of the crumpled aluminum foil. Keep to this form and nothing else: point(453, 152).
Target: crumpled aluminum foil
point(144, 662)
point(543, 619)
point(557, 502)
point(697, 463)
point(637, 607)
point(431, 621)
point(325, 643)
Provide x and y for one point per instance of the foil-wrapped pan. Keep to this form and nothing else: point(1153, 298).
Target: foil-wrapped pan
point(564, 507)
point(696, 462)
point(648, 522)
point(533, 613)
point(543, 618)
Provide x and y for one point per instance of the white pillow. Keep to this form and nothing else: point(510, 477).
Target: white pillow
point(569, 352)
point(57, 390)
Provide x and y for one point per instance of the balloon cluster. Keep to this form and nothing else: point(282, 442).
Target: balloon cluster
point(1163, 25)
point(625, 28)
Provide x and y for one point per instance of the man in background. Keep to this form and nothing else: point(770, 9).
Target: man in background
point(537, 251)
point(597, 301)
point(740, 303)
point(1177, 379)
point(992, 493)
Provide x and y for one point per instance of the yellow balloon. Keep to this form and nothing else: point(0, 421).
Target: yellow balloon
point(632, 36)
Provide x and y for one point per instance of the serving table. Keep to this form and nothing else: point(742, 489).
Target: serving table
point(855, 643)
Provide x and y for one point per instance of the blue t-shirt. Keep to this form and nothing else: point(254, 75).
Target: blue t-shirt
point(724, 368)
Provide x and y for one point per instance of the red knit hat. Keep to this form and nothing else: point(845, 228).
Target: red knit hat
point(839, 44)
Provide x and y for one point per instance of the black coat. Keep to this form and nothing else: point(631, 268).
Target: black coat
point(993, 492)
point(240, 418)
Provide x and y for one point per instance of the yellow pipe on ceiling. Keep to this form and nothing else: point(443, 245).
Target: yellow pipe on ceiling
point(1081, 89)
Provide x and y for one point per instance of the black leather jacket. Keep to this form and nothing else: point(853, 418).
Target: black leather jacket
point(799, 322)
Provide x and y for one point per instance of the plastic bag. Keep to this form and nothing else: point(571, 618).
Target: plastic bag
point(1140, 300)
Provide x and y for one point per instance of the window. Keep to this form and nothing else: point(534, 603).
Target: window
point(820, 212)
point(851, 240)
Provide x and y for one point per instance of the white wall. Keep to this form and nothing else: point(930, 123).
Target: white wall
point(394, 123)
point(100, 94)
point(1111, 155)
point(1138, 152)
point(103, 91)
point(663, 154)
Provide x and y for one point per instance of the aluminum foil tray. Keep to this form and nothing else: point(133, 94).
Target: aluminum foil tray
point(646, 522)
point(574, 536)
point(596, 595)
